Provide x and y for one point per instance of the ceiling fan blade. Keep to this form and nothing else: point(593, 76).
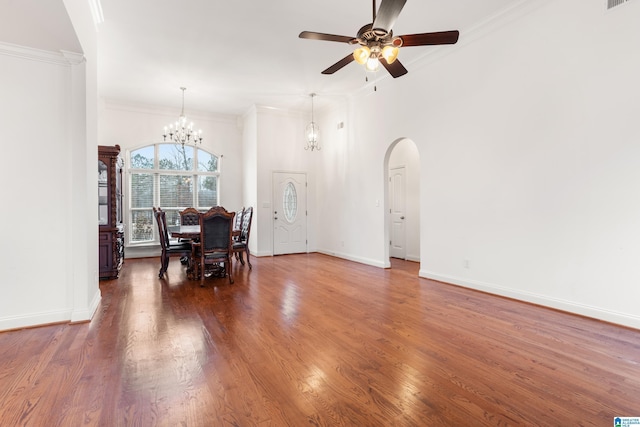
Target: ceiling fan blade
point(396, 69)
point(424, 39)
point(387, 14)
point(322, 36)
point(338, 65)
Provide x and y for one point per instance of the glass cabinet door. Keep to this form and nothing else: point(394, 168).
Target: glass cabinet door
point(119, 194)
point(103, 194)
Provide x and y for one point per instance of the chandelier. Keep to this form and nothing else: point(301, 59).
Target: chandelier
point(312, 131)
point(181, 133)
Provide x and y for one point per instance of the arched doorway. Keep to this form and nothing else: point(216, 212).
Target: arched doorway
point(402, 201)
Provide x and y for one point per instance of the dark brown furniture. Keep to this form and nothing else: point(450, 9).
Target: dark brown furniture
point(190, 216)
point(241, 243)
point(237, 222)
point(212, 253)
point(110, 197)
point(189, 232)
point(181, 249)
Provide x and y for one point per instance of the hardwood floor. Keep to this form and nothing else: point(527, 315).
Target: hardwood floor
point(315, 340)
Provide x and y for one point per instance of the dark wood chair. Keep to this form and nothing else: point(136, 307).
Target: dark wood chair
point(241, 245)
point(180, 249)
point(212, 254)
point(237, 223)
point(190, 216)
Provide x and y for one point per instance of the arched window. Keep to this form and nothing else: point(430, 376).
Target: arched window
point(170, 176)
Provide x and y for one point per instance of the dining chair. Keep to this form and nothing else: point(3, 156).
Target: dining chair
point(237, 223)
point(214, 247)
point(242, 243)
point(180, 249)
point(190, 216)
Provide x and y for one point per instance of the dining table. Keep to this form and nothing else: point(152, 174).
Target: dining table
point(190, 232)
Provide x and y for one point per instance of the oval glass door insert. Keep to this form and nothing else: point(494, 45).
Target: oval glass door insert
point(290, 202)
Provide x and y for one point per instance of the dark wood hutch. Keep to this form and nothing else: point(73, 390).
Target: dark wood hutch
point(110, 198)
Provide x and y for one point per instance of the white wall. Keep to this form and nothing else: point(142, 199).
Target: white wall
point(351, 194)
point(43, 216)
point(250, 173)
point(528, 141)
point(279, 144)
point(84, 113)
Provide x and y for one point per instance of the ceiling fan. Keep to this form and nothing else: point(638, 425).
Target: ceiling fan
point(377, 44)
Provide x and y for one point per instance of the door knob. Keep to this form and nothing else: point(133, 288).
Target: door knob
point(401, 217)
point(275, 217)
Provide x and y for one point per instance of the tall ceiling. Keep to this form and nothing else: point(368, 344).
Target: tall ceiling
point(231, 54)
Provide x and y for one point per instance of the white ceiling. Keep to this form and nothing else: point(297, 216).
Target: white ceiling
point(230, 54)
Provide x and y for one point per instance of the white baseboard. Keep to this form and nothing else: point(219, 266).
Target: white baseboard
point(367, 261)
point(49, 317)
point(262, 254)
point(141, 251)
point(87, 313)
point(598, 313)
point(34, 319)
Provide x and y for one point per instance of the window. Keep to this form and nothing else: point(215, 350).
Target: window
point(172, 177)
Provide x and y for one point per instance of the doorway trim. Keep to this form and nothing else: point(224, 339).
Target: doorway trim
point(386, 201)
point(302, 211)
point(397, 199)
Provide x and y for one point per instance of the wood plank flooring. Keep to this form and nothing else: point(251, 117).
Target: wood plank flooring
point(311, 340)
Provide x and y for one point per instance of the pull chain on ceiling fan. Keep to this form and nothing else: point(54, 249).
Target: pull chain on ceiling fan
point(377, 45)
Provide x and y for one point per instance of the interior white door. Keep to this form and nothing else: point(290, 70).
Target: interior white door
point(289, 213)
point(398, 211)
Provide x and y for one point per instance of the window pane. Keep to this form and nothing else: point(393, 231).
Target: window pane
point(141, 190)
point(142, 158)
point(176, 191)
point(164, 175)
point(141, 225)
point(207, 162)
point(175, 157)
point(207, 191)
point(173, 217)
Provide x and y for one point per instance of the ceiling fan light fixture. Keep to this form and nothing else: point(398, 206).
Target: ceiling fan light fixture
point(390, 54)
point(372, 63)
point(376, 36)
point(361, 55)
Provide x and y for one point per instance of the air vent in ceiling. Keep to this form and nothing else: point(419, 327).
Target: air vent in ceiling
point(613, 3)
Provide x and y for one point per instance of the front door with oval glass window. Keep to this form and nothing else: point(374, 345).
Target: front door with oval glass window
point(289, 213)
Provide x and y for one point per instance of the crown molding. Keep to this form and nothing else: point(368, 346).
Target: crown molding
point(157, 110)
point(62, 57)
point(516, 10)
